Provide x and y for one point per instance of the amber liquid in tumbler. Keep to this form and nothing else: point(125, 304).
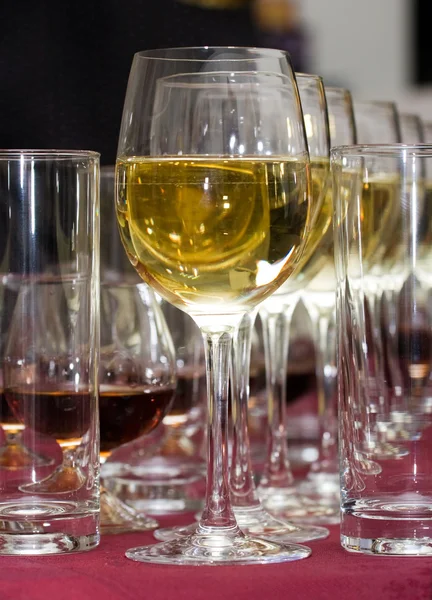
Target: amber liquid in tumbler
point(60, 414)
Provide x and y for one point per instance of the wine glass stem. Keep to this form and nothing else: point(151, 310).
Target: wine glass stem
point(325, 370)
point(218, 513)
point(277, 470)
point(243, 489)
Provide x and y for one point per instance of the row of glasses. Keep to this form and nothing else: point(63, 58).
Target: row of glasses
point(319, 296)
point(215, 218)
point(160, 440)
point(277, 489)
point(250, 514)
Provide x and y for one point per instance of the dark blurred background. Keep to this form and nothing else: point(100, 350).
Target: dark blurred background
point(64, 65)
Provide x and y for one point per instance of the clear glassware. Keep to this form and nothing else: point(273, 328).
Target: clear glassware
point(387, 512)
point(277, 489)
point(136, 383)
point(377, 122)
point(426, 131)
point(411, 128)
point(166, 475)
point(319, 296)
point(50, 333)
point(380, 123)
point(137, 370)
point(214, 217)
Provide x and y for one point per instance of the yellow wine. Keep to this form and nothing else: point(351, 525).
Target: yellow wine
point(319, 242)
point(217, 235)
point(379, 216)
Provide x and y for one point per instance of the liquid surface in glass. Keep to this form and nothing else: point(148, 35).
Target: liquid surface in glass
point(214, 234)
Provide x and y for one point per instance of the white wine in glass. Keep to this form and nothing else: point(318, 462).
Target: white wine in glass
point(213, 203)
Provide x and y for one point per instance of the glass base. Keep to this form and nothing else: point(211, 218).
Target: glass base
point(38, 526)
point(175, 488)
point(384, 451)
point(38, 545)
point(117, 517)
point(257, 522)
point(387, 546)
point(64, 480)
point(17, 456)
point(287, 503)
point(218, 548)
point(323, 488)
point(365, 466)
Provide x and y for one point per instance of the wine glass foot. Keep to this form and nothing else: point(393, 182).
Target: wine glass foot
point(216, 548)
point(156, 492)
point(366, 466)
point(17, 456)
point(288, 504)
point(323, 488)
point(64, 480)
point(117, 517)
point(385, 451)
point(257, 522)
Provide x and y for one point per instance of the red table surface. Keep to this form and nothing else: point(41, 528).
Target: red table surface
point(105, 574)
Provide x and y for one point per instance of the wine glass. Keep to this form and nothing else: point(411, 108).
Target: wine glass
point(136, 383)
point(14, 454)
point(276, 488)
point(319, 297)
point(252, 518)
point(411, 128)
point(136, 370)
point(376, 122)
point(214, 209)
point(164, 472)
point(426, 131)
point(43, 360)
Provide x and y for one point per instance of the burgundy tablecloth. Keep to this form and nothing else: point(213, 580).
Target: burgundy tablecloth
point(105, 574)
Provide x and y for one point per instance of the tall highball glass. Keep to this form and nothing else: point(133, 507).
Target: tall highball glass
point(213, 202)
point(385, 511)
point(49, 203)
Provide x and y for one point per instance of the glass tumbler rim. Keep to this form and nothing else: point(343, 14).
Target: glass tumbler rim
point(183, 53)
point(48, 154)
point(382, 150)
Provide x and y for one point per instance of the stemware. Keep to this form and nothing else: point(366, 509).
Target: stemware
point(411, 128)
point(136, 383)
point(214, 208)
point(164, 473)
point(426, 131)
point(276, 488)
point(378, 123)
point(319, 297)
point(136, 371)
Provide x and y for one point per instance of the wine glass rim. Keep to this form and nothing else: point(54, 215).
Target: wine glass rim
point(409, 115)
point(378, 103)
point(158, 54)
point(335, 89)
point(311, 76)
point(175, 80)
point(48, 154)
point(383, 150)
